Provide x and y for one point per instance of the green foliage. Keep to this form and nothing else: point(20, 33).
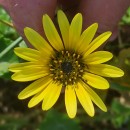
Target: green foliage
point(58, 121)
point(120, 114)
point(126, 18)
point(7, 56)
point(12, 123)
point(119, 87)
point(5, 30)
point(117, 117)
point(8, 40)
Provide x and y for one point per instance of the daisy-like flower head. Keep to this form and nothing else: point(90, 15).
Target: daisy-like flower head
point(70, 62)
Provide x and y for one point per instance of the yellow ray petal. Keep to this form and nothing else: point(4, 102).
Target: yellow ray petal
point(75, 30)
point(70, 101)
point(51, 33)
point(64, 27)
point(98, 57)
point(35, 100)
point(105, 70)
point(38, 41)
point(34, 88)
point(20, 66)
point(95, 98)
point(38, 97)
point(86, 38)
point(51, 95)
point(28, 54)
point(97, 42)
point(29, 74)
point(96, 81)
point(85, 100)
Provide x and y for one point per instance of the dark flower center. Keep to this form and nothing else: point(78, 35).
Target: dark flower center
point(66, 67)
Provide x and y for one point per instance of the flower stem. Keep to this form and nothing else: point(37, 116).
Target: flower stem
point(7, 23)
point(6, 50)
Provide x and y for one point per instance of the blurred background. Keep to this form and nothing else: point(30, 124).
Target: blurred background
point(15, 115)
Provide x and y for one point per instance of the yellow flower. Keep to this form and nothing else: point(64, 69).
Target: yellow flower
point(70, 63)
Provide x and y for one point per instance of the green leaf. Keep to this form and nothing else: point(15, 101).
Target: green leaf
point(126, 18)
point(58, 121)
point(7, 43)
point(4, 29)
point(8, 57)
point(3, 68)
point(120, 109)
point(121, 114)
point(12, 123)
point(119, 87)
